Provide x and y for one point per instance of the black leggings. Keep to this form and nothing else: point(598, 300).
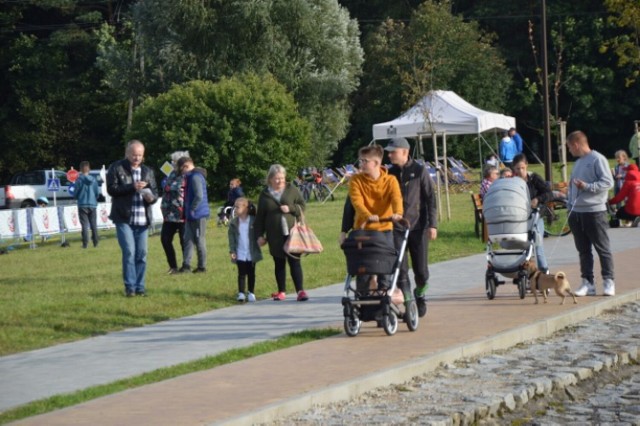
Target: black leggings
point(169, 229)
point(246, 269)
point(281, 273)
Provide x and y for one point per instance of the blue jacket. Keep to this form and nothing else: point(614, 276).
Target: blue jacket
point(519, 142)
point(87, 191)
point(196, 204)
point(508, 150)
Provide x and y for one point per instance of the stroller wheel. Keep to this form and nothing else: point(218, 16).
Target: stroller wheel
point(390, 323)
point(523, 283)
point(490, 284)
point(411, 316)
point(352, 326)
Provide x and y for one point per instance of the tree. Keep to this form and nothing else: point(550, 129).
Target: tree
point(626, 15)
point(593, 93)
point(435, 50)
point(52, 111)
point(311, 47)
point(237, 127)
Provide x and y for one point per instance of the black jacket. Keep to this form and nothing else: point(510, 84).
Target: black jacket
point(120, 187)
point(539, 189)
point(418, 195)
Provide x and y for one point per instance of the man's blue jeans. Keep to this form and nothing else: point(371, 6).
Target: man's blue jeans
point(133, 243)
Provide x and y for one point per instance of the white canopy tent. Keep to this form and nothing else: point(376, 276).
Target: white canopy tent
point(442, 113)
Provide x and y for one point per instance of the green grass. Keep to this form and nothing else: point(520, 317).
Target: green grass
point(60, 401)
point(52, 294)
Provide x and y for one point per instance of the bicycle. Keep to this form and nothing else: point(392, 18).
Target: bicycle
point(555, 215)
point(312, 184)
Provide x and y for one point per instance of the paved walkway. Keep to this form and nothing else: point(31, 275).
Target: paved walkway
point(460, 322)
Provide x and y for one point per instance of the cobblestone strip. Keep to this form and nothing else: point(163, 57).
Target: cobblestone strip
point(481, 390)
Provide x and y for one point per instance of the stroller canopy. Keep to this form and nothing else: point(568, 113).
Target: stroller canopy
point(507, 207)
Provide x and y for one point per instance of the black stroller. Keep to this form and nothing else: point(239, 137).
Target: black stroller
point(511, 225)
point(369, 254)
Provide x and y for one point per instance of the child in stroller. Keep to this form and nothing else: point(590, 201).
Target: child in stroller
point(511, 226)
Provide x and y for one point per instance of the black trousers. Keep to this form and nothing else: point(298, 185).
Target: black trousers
point(246, 270)
point(169, 229)
point(281, 273)
point(418, 248)
point(624, 215)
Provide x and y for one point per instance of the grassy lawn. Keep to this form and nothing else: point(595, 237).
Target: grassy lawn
point(53, 294)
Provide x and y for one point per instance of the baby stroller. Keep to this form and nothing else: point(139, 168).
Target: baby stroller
point(368, 254)
point(510, 221)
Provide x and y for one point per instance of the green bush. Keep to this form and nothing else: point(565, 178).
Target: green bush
point(237, 127)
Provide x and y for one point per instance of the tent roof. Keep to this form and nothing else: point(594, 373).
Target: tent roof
point(447, 113)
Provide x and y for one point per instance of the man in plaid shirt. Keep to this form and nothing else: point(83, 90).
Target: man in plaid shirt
point(133, 189)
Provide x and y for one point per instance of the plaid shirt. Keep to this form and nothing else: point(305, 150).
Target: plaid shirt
point(138, 216)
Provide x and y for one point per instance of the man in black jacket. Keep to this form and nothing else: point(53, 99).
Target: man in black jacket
point(133, 189)
point(420, 210)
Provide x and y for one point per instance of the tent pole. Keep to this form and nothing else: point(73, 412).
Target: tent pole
point(481, 159)
point(446, 173)
point(435, 163)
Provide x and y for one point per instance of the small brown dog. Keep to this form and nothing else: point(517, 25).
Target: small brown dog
point(558, 282)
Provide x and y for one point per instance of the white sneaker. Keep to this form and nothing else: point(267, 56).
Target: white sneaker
point(609, 287)
point(240, 297)
point(586, 289)
point(251, 297)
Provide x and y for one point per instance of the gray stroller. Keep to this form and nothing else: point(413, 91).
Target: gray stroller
point(510, 220)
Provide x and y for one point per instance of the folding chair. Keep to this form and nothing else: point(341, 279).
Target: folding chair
point(332, 181)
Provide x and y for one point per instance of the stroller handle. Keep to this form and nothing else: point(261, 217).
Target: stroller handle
point(402, 221)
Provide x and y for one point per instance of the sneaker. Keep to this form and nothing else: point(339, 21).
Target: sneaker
point(302, 296)
point(279, 296)
point(636, 222)
point(129, 293)
point(609, 287)
point(141, 294)
point(172, 271)
point(421, 301)
point(251, 297)
point(200, 270)
point(240, 297)
point(184, 269)
point(586, 289)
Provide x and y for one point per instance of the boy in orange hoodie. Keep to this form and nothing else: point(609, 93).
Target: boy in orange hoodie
point(375, 194)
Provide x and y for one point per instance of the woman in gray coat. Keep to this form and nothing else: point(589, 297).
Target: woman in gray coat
point(278, 207)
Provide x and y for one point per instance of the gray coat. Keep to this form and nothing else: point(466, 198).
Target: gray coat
point(268, 217)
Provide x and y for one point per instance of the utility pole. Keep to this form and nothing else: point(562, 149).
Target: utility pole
point(545, 83)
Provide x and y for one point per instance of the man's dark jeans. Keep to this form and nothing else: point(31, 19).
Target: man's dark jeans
point(88, 221)
point(590, 231)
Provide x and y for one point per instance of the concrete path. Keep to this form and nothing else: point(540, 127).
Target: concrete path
point(459, 313)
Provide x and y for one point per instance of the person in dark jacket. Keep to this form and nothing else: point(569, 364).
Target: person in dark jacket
point(540, 194)
point(172, 207)
point(419, 200)
point(196, 213)
point(279, 205)
point(132, 187)
point(87, 192)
